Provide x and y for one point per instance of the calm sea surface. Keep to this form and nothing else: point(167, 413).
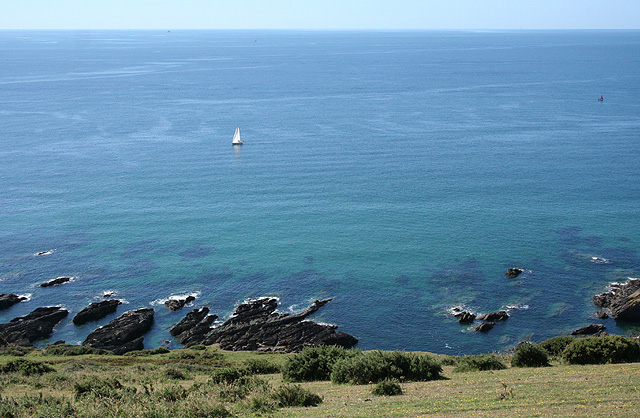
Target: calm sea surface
point(399, 173)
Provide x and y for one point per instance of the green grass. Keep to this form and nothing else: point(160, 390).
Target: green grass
point(181, 383)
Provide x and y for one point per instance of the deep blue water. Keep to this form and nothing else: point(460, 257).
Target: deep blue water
point(399, 173)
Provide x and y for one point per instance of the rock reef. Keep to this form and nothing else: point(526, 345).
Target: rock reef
point(175, 304)
point(123, 334)
point(55, 282)
point(7, 300)
point(621, 301)
point(193, 328)
point(512, 273)
point(36, 325)
point(256, 326)
point(96, 311)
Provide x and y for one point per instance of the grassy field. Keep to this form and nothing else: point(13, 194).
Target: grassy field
point(192, 383)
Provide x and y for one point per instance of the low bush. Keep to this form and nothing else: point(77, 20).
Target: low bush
point(387, 388)
point(315, 363)
point(479, 362)
point(25, 367)
point(294, 395)
point(198, 347)
point(261, 366)
point(103, 388)
point(73, 350)
point(601, 350)
point(15, 350)
point(556, 345)
point(172, 393)
point(228, 374)
point(529, 355)
point(376, 366)
point(175, 373)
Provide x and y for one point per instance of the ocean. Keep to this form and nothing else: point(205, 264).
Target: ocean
point(399, 173)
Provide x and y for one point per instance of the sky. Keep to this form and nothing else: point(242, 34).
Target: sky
point(320, 14)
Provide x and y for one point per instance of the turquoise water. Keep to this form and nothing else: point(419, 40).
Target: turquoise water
point(399, 173)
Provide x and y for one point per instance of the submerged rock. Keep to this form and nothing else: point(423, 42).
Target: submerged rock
point(622, 301)
point(175, 304)
point(36, 325)
point(55, 282)
point(124, 333)
point(495, 316)
point(96, 311)
point(591, 329)
point(192, 329)
point(513, 272)
point(256, 326)
point(7, 300)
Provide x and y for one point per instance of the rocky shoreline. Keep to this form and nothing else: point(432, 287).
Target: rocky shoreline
point(255, 325)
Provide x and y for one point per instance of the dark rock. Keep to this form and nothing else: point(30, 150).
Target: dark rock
point(55, 282)
point(513, 273)
point(7, 300)
point(484, 327)
point(602, 314)
point(592, 329)
point(175, 304)
point(36, 325)
point(256, 326)
point(124, 333)
point(96, 311)
point(465, 317)
point(622, 301)
point(494, 316)
point(192, 329)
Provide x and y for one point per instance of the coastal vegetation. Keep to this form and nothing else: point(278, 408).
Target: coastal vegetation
point(204, 381)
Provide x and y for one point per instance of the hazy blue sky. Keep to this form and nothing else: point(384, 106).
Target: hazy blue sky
point(316, 14)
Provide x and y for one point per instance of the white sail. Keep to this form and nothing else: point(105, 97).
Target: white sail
point(236, 137)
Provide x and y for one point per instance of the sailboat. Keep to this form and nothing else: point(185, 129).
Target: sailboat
point(236, 137)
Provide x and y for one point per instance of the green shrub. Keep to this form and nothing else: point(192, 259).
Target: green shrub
point(73, 350)
point(556, 345)
point(294, 395)
point(479, 362)
point(315, 363)
point(25, 367)
point(242, 387)
point(603, 349)
point(228, 374)
point(159, 350)
point(261, 366)
point(103, 388)
point(376, 366)
point(529, 355)
point(198, 347)
point(387, 388)
point(15, 350)
point(175, 373)
point(172, 393)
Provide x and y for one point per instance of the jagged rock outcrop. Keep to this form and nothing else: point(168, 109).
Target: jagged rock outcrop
point(36, 325)
point(465, 317)
point(591, 329)
point(621, 301)
point(55, 282)
point(123, 334)
point(484, 327)
point(7, 300)
point(256, 326)
point(494, 316)
point(96, 311)
point(175, 304)
point(512, 273)
point(192, 328)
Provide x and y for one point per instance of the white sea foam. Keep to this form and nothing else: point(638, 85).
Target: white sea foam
point(520, 307)
point(600, 260)
point(162, 301)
